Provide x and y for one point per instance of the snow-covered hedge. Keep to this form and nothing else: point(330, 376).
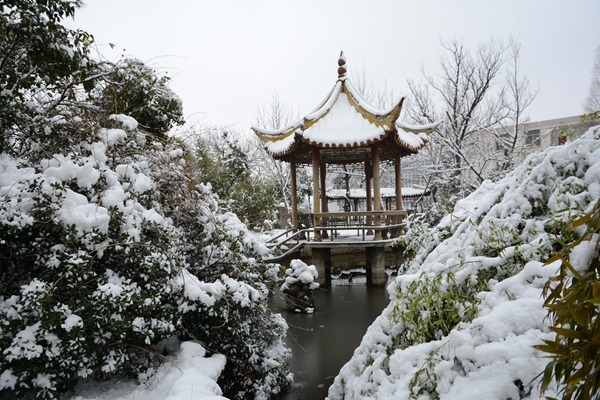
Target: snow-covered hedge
point(108, 250)
point(467, 309)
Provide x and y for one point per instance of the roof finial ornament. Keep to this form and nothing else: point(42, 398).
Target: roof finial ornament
point(342, 66)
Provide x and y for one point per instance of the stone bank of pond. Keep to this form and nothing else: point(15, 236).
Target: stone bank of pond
point(324, 341)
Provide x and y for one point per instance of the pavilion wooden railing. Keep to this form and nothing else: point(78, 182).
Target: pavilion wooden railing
point(292, 240)
point(383, 221)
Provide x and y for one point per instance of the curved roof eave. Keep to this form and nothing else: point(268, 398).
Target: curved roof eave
point(279, 134)
point(413, 137)
point(428, 128)
point(282, 147)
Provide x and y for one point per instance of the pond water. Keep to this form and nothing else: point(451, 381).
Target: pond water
point(324, 341)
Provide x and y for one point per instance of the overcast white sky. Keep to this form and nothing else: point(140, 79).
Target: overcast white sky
point(227, 57)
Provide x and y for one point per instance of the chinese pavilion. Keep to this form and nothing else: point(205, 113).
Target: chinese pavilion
point(346, 129)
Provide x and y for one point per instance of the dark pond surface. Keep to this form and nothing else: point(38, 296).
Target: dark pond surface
point(324, 341)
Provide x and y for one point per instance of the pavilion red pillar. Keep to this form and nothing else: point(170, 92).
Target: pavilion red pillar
point(294, 190)
point(399, 205)
point(369, 204)
point(398, 170)
point(316, 194)
point(376, 188)
point(324, 206)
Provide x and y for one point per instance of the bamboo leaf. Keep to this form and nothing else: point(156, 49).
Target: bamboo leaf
point(572, 334)
point(596, 290)
point(555, 257)
point(549, 349)
point(548, 375)
point(580, 221)
point(573, 270)
point(577, 317)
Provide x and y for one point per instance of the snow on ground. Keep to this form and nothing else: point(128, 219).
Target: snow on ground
point(189, 375)
point(465, 314)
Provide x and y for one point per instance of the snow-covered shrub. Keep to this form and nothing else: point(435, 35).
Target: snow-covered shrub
point(298, 287)
point(299, 272)
point(240, 326)
point(103, 230)
point(133, 88)
point(239, 323)
point(88, 272)
point(99, 250)
point(466, 313)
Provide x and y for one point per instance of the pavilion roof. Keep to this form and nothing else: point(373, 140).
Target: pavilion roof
point(344, 119)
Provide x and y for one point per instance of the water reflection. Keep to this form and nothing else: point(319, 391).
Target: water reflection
point(324, 341)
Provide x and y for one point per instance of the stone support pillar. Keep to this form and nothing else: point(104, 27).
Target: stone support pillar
point(321, 259)
point(375, 266)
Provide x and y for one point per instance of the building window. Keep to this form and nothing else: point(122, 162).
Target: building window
point(532, 137)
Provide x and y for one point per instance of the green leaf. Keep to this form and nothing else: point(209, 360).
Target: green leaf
point(548, 375)
point(572, 334)
point(573, 270)
point(548, 349)
point(580, 221)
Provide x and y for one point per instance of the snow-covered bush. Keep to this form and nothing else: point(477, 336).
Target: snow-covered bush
point(238, 325)
point(298, 287)
point(133, 88)
point(468, 309)
point(226, 161)
point(299, 272)
point(95, 272)
point(89, 274)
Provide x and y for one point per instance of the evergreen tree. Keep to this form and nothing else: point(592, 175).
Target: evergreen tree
point(45, 69)
point(222, 159)
point(132, 88)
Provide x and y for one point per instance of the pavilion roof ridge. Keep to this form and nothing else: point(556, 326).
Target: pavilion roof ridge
point(367, 106)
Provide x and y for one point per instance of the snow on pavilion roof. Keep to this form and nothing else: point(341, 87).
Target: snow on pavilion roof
point(345, 120)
